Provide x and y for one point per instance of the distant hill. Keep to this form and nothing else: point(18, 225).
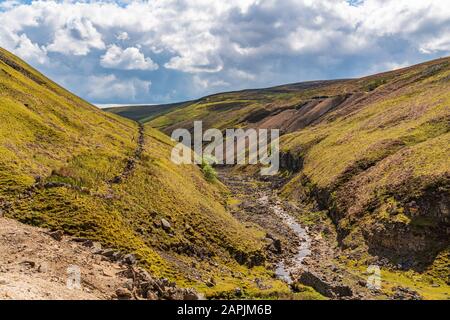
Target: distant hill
point(144, 113)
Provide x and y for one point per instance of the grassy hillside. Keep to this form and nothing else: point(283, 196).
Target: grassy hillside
point(67, 165)
point(373, 152)
point(381, 166)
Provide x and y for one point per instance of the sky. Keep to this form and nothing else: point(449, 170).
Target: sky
point(161, 51)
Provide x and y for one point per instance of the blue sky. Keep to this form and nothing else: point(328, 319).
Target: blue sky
point(163, 51)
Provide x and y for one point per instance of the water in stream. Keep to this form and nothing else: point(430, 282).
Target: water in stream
point(284, 268)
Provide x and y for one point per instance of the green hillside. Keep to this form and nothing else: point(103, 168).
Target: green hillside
point(67, 165)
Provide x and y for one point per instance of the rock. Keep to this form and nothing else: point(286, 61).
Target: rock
point(130, 259)
point(108, 273)
point(157, 224)
point(165, 224)
point(190, 294)
point(124, 294)
point(108, 253)
point(28, 263)
point(57, 235)
point(323, 286)
point(151, 295)
point(128, 284)
point(145, 286)
point(42, 268)
point(402, 293)
point(173, 294)
point(435, 285)
point(276, 246)
point(342, 291)
point(117, 179)
point(211, 282)
point(96, 247)
point(117, 255)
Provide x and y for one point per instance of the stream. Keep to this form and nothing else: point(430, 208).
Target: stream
point(284, 268)
point(262, 195)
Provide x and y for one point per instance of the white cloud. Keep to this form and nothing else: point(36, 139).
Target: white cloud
point(9, 4)
point(241, 74)
point(109, 86)
point(438, 44)
point(203, 83)
point(30, 51)
point(128, 59)
point(77, 37)
point(224, 44)
point(122, 36)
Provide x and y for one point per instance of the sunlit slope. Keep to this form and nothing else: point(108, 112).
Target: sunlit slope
point(59, 159)
point(43, 127)
point(383, 166)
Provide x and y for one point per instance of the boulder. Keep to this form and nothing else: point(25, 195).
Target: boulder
point(57, 235)
point(191, 294)
point(124, 294)
point(130, 259)
point(108, 253)
point(165, 224)
point(403, 293)
point(323, 286)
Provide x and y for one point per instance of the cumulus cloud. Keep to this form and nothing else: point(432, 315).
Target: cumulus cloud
point(128, 59)
point(109, 86)
point(30, 51)
point(204, 83)
point(122, 36)
point(205, 46)
point(77, 37)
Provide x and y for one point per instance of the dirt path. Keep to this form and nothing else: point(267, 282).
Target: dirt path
point(33, 265)
point(131, 162)
point(36, 264)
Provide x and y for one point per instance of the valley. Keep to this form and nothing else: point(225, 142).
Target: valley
point(364, 183)
point(369, 156)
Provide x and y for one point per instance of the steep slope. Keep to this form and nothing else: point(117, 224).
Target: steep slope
point(373, 152)
point(381, 166)
point(69, 166)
